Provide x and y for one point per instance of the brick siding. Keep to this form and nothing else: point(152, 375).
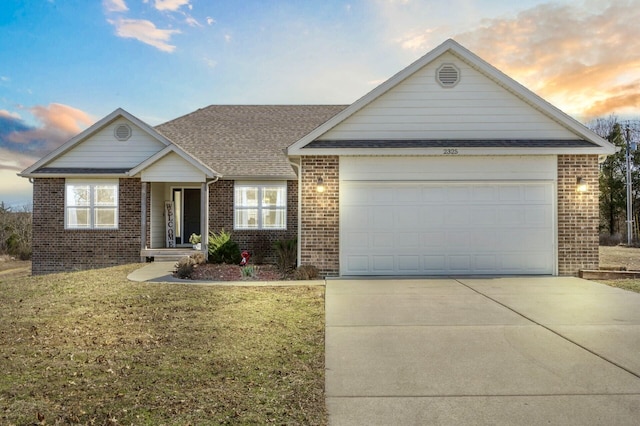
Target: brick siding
point(578, 214)
point(56, 249)
point(320, 218)
point(258, 242)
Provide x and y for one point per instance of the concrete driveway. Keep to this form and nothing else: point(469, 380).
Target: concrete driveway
point(494, 351)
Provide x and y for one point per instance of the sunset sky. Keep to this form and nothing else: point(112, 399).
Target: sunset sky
point(64, 64)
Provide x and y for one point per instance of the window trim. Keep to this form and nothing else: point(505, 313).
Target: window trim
point(260, 186)
point(92, 207)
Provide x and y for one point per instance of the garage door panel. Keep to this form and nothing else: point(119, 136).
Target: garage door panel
point(408, 195)
point(484, 194)
point(383, 196)
point(406, 240)
point(486, 262)
point(407, 218)
point(356, 240)
point(484, 216)
point(434, 239)
point(455, 216)
point(458, 194)
point(382, 240)
point(409, 265)
point(539, 193)
point(509, 194)
point(433, 195)
point(436, 228)
point(432, 214)
point(459, 264)
point(383, 264)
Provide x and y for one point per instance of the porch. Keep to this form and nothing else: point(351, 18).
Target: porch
point(173, 211)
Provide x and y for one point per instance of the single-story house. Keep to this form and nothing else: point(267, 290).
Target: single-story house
point(450, 167)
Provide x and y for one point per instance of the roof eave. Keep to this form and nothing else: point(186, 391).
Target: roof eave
point(460, 151)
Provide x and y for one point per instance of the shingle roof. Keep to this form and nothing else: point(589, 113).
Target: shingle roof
point(246, 140)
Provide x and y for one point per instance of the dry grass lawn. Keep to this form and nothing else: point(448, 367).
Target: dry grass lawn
point(93, 348)
point(620, 256)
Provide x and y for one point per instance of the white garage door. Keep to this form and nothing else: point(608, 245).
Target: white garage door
point(446, 228)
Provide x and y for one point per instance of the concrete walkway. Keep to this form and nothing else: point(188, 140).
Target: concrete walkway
point(502, 351)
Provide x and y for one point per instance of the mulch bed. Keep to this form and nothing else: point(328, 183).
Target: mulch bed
point(224, 272)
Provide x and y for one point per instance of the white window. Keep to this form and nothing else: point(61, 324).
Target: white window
point(91, 204)
point(260, 206)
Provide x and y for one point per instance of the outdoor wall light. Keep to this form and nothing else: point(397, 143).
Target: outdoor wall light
point(320, 186)
point(581, 185)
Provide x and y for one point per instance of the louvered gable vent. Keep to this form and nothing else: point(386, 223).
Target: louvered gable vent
point(122, 132)
point(448, 75)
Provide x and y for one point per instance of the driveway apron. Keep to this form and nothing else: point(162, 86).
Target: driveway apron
point(481, 351)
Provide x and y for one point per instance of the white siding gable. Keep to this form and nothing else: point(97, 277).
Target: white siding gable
point(103, 150)
point(420, 108)
point(172, 168)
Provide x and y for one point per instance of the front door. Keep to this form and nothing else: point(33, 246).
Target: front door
point(187, 205)
point(191, 212)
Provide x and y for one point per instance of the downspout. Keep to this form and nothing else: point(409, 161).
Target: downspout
point(204, 240)
point(299, 173)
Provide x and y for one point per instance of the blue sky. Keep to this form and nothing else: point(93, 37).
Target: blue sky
point(64, 64)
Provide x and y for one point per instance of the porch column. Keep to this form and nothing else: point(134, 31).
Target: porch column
point(204, 218)
point(143, 219)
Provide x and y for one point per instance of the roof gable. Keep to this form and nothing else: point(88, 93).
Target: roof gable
point(485, 109)
point(98, 147)
point(173, 164)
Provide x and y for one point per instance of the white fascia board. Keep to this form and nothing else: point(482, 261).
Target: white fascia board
point(261, 178)
point(74, 175)
point(180, 152)
point(460, 151)
point(91, 130)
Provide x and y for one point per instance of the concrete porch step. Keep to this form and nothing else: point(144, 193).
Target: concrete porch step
point(167, 255)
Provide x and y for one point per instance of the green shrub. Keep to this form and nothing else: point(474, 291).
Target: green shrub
point(306, 272)
point(222, 249)
point(248, 272)
point(286, 255)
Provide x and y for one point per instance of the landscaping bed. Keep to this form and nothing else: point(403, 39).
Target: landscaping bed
point(226, 272)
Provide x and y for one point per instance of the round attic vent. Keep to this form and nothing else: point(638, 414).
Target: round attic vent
point(448, 75)
point(122, 132)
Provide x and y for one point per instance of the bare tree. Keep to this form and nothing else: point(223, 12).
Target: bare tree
point(15, 231)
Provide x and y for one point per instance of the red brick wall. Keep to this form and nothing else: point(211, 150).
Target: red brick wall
point(258, 242)
point(320, 223)
point(578, 214)
point(56, 249)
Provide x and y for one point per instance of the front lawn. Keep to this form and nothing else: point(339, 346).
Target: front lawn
point(617, 257)
point(93, 348)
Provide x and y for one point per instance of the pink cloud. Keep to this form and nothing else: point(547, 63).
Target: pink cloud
point(146, 32)
point(115, 6)
point(583, 60)
point(58, 124)
point(170, 4)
